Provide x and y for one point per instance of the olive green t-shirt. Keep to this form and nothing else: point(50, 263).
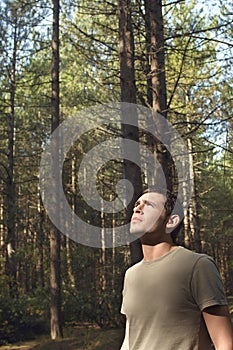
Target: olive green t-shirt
point(163, 301)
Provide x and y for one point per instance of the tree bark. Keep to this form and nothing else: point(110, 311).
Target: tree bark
point(156, 82)
point(10, 190)
point(55, 267)
point(194, 225)
point(128, 94)
point(156, 86)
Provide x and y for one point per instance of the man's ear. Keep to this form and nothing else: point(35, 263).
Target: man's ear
point(172, 223)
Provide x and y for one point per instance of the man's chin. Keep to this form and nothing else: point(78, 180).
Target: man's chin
point(136, 232)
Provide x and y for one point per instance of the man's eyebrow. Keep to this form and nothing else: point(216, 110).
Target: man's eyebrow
point(146, 201)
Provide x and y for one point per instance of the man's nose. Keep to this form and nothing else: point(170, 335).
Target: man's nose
point(138, 208)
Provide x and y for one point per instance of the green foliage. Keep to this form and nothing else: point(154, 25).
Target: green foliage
point(21, 318)
point(96, 295)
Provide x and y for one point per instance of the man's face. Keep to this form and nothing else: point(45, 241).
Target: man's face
point(149, 214)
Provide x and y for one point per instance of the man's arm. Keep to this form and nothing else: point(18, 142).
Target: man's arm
point(218, 322)
point(125, 345)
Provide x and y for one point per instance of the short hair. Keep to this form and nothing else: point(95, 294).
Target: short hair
point(172, 205)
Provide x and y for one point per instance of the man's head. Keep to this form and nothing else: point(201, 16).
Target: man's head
point(157, 210)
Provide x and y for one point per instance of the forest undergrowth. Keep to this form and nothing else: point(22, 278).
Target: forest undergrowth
point(76, 337)
point(81, 337)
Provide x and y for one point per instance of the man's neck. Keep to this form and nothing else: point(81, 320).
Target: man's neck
point(153, 252)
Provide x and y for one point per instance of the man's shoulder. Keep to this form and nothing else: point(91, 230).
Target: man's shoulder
point(134, 268)
point(191, 261)
point(187, 253)
point(193, 257)
point(190, 253)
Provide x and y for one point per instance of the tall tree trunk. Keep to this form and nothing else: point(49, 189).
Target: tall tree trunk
point(40, 234)
point(193, 215)
point(128, 94)
point(156, 85)
point(10, 191)
point(155, 56)
point(40, 242)
point(194, 225)
point(55, 267)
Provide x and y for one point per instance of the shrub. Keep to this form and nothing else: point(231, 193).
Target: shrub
point(19, 321)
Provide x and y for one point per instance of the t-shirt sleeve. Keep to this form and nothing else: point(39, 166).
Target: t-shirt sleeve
point(206, 284)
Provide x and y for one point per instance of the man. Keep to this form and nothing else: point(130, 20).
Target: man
point(173, 299)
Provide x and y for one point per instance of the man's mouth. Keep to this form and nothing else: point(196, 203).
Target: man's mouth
point(136, 219)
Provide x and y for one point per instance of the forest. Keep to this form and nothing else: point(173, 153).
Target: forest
point(60, 59)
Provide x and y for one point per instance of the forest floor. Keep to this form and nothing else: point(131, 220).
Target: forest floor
point(81, 338)
point(75, 338)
